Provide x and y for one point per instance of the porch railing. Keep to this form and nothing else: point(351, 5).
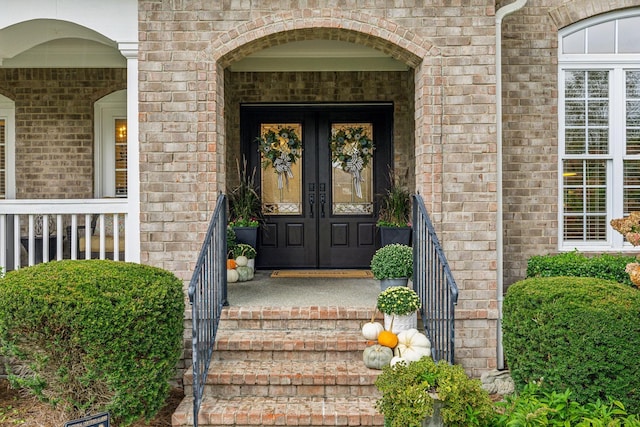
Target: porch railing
point(207, 295)
point(41, 230)
point(434, 283)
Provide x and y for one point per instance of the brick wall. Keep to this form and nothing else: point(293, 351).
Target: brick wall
point(54, 117)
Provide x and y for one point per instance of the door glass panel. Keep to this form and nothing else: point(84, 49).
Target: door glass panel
point(352, 165)
point(281, 156)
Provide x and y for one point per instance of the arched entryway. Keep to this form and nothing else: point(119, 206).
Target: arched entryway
point(348, 74)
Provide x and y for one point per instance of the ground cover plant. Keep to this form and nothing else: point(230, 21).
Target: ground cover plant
point(575, 333)
point(535, 407)
point(87, 336)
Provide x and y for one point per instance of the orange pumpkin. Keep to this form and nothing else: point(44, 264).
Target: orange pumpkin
point(388, 339)
point(231, 264)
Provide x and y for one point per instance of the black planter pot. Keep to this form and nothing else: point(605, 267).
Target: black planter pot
point(38, 249)
point(248, 235)
point(389, 235)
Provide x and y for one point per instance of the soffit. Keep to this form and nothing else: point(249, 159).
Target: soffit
point(318, 55)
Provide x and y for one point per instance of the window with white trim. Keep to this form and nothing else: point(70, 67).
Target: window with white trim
point(111, 145)
point(599, 129)
point(7, 149)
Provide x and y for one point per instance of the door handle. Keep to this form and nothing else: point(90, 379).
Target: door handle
point(322, 201)
point(312, 197)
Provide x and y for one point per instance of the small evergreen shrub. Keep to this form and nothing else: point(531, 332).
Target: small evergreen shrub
point(605, 266)
point(90, 336)
point(575, 333)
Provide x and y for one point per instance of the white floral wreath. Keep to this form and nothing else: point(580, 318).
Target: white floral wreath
point(280, 149)
point(351, 150)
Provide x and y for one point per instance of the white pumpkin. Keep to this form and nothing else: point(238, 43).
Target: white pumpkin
point(371, 330)
point(242, 261)
point(232, 276)
point(412, 345)
point(397, 359)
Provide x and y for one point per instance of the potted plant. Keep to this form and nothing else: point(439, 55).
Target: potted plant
point(245, 207)
point(629, 227)
point(394, 216)
point(399, 304)
point(392, 265)
point(247, 251)
point(425, 393)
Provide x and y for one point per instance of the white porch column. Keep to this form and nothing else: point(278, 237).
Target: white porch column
point(132, 243)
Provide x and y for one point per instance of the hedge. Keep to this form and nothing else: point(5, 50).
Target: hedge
point(605, 266)
point(91, 335)
point(575, 333)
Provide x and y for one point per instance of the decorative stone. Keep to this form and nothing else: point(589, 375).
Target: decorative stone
point(497, 382)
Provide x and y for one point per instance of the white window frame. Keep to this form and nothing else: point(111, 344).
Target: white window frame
point(8, 114)
point(107, 110)
point(617, 65)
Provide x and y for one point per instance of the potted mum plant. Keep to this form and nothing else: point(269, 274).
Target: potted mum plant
point(399, 304)
point(629, 227)
point(392, 265)
point(247, 251)
point(245, 207)
point(394, 216)
point(425, 393)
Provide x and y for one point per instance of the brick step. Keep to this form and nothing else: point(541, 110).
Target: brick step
point(288, 318)
point(248, 411)
point(287, 378)
point(297, 344)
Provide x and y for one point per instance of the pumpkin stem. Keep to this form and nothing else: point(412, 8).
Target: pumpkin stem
point(391, 324)
point(373, 316)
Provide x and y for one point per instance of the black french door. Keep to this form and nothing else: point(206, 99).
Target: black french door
point(316, 220)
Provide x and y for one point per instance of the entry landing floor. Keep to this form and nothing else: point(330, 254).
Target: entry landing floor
point(265, 290)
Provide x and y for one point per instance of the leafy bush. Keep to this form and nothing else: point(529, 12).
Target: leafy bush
point(392, 261)
point(533, 407)
point(408, 390)
point(94, 335)
point(577, 333)
point(605, 266)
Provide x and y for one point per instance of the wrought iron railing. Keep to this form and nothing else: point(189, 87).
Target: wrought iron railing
point(434, 283)
point(207, 295)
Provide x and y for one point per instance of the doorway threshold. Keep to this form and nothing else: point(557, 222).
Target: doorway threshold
point(322, 274)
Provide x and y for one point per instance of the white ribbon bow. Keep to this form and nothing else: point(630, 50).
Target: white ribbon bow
point(282, 165)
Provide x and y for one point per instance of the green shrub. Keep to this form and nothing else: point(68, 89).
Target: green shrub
point(575, 333)
point(95, 335)
point(408, 392)
point(605, 266)
point(533, 407)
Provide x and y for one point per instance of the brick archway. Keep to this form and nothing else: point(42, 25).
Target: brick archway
point(578, 10)
point(355, 27)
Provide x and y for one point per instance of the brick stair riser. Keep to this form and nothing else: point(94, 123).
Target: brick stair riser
point(249, 412)
point(310, 356)
point(300, 390)
point(290, 324)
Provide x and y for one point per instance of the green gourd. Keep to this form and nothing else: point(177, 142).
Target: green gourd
point(377, 356)
point(244, 273)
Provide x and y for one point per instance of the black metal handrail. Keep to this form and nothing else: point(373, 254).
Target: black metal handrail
point(207, 295)
point(434, 283)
